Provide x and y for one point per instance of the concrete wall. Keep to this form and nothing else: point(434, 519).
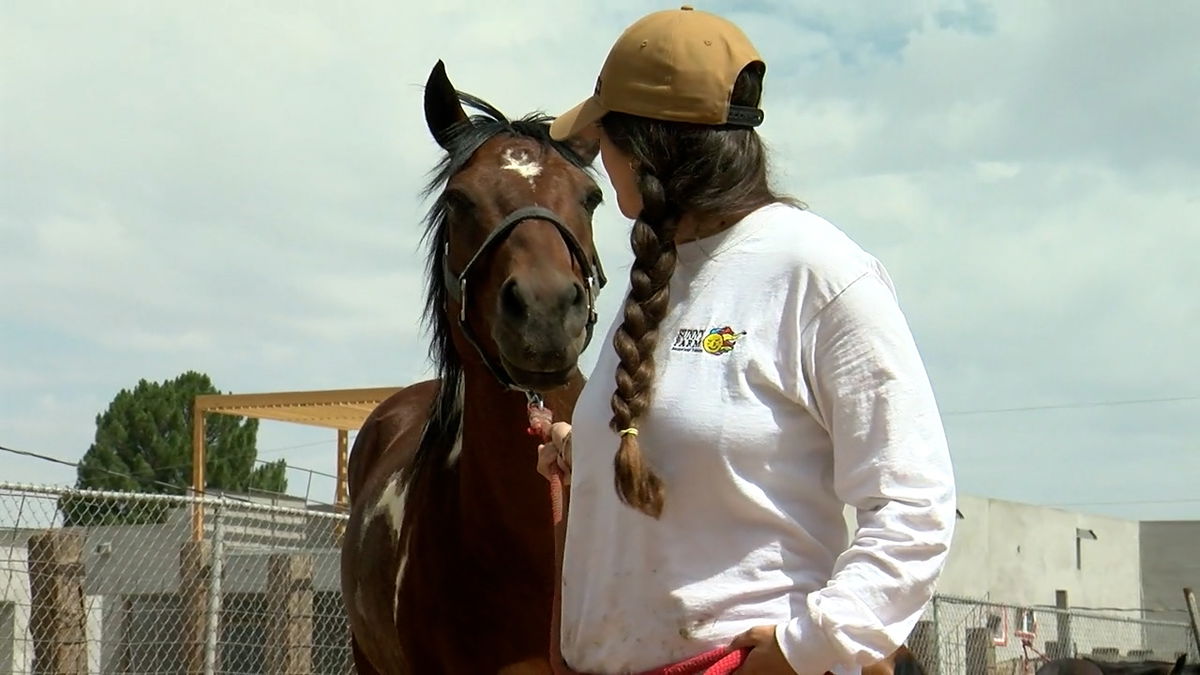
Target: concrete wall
point(1017, 556)
point(1032, 552)
point(133, 559)
point(966, 567)
point(144, 559)
point(1170, 557)
point(1021, 554)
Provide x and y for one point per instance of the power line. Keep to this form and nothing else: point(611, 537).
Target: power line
point(287, 465)
point(1149, 610)
point(1131, 502)
point(297, 467)
point(294, 447)
point(75, 465)
point(1065, 406)
point(172, 486)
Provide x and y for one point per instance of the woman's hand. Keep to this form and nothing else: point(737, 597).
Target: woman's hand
point(556, 452)
point(765, 658)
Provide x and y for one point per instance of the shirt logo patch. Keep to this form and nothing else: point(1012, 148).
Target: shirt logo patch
point(715, 341)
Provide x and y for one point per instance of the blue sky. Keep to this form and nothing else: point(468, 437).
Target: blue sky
point(234, 189)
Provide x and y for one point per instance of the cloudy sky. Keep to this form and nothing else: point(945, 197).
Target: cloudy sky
point(233, 188)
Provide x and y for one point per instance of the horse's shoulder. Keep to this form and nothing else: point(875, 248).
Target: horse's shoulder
point(403, 410)
point(389, 430)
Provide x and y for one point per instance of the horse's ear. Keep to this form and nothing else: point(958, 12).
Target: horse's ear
point(587, 146)
point(585, 143)
point(443, 109)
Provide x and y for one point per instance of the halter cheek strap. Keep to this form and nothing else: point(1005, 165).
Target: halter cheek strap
point(456, 284)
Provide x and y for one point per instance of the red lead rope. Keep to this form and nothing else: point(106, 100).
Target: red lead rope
point(540, 420)
point(719, 661)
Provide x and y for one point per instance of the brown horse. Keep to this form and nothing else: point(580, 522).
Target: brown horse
point(448, 557)
point(1087, 666)
point(900, 662)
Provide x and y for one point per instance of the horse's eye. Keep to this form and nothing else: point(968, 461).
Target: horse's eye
point(593, 199)
point(459, 201)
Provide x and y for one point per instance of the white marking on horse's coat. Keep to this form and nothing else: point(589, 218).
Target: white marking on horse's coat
point(358, 601)
point(391, 504)
point(400, 565)
point(520, 162)
point(455, 450)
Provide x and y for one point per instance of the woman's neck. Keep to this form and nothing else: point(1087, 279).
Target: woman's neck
point(693, 227)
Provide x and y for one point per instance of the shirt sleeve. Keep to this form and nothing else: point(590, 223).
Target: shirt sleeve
point(869, 389)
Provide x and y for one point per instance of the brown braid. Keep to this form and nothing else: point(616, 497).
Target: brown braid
point(653, 240)
point(719, 173)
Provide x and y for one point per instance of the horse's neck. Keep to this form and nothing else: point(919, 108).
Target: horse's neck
point(501, 492)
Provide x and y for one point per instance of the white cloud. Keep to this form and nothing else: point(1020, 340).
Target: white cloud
point(235, 191)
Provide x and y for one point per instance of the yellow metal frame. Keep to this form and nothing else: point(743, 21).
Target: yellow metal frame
point(342, 409)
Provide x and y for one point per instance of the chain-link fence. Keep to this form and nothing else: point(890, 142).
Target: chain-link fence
point(962, 636)
point(99, 583)
point(96, 582)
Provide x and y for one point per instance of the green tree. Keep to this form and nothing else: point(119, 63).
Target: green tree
point(143, 443)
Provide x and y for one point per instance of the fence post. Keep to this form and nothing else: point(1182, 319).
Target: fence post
point(937, 637)
point(212, 621)
point(290, 607)
point(1193, 615)
point(980, 652)
point(342, 495)
point(57, 619)
point(923, 644)
point(194, 572)
point(1064, 646)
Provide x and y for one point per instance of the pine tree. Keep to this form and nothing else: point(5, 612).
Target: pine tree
point(143, 443)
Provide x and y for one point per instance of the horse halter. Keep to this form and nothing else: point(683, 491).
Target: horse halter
point(456, 285)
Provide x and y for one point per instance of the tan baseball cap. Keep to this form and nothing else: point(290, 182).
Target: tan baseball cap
point(676, 65)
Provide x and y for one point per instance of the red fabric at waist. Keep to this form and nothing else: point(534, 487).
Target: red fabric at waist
point(720, 661)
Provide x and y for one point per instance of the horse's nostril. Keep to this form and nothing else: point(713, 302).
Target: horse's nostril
point(580, 296)
point(512, 300)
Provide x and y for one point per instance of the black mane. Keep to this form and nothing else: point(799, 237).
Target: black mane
point(446, 413)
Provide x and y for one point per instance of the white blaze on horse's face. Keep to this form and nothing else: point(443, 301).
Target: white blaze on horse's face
point(520, 162)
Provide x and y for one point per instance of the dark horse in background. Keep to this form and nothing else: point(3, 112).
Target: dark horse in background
point(448, 560)
point(1086, 666)
point(448, 557)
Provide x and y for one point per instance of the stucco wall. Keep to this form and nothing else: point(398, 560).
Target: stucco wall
point(966, 566)
point(1032, 553)
point(1017, 554)
point(1021, 554)
point(1170, 557)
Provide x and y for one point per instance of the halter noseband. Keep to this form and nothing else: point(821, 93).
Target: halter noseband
point(456, 285)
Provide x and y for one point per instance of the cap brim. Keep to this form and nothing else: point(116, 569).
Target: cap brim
point(577, 119)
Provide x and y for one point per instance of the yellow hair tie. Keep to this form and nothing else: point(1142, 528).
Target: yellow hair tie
point(631, 431)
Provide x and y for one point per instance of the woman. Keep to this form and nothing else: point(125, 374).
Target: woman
point(765, 378)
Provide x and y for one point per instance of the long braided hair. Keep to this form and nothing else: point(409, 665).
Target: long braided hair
point(716, 173)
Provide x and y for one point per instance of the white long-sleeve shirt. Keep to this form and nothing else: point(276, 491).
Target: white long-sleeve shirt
point(788, 384)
